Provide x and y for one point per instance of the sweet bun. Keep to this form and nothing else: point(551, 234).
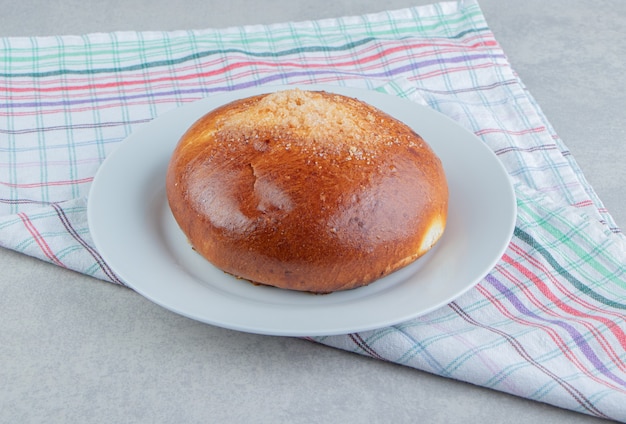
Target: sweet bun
point(306, 190)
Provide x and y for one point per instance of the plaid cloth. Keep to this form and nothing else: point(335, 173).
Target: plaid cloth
point(547, 323)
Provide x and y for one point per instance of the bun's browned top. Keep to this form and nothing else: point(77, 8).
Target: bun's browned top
point(306, 190)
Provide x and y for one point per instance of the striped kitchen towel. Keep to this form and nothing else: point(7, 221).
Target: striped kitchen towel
point(547, 323)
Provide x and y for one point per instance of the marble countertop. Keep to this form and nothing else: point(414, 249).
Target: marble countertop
point(86, 351)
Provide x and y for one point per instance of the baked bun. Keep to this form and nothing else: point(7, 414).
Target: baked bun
point(306, 190)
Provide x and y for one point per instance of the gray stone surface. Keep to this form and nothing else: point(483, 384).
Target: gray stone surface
point(73, 349)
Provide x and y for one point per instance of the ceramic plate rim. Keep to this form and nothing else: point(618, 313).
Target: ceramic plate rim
point(131, 227)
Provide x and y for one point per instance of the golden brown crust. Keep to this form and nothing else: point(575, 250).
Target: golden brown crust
point(308, 191)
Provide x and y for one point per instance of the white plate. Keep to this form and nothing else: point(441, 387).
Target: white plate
point(134, 231)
